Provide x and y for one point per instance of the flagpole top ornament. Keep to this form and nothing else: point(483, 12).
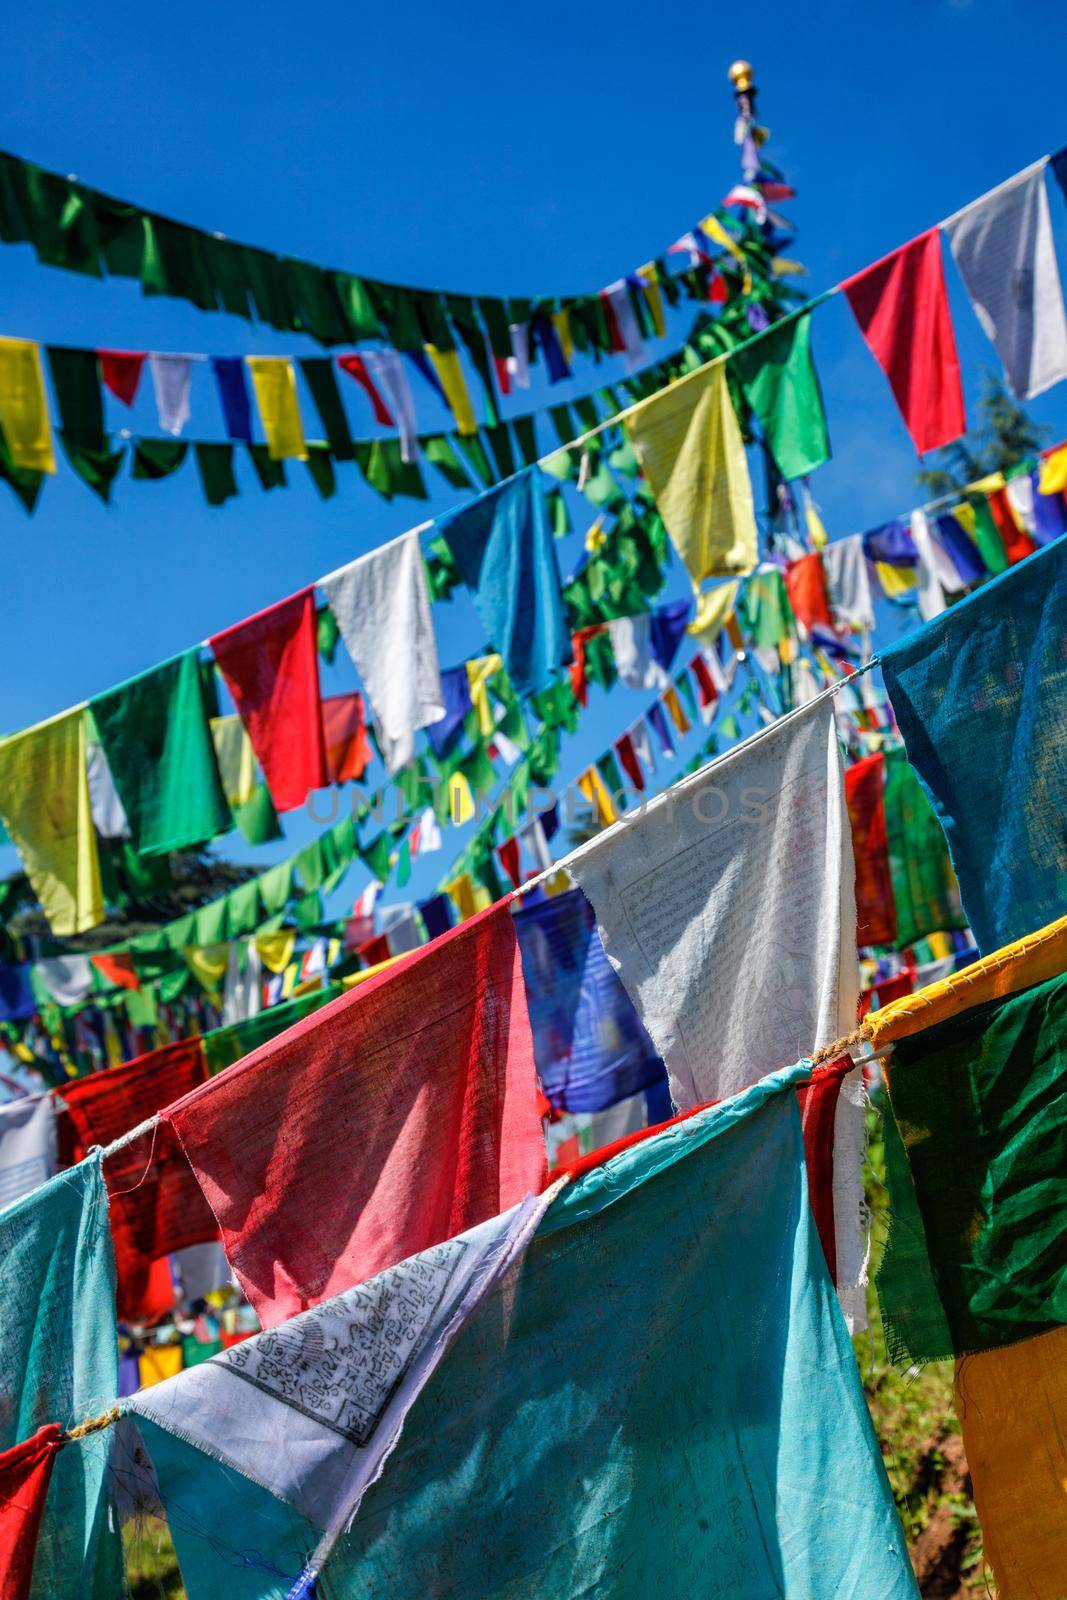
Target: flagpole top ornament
point(743, 77)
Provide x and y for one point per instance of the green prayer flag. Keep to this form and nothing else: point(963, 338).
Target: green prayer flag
point(327, 633)
point(925, 891)
point(62, 221)
point(356, 307)
point(156, 735)
point(319, 463)
point(779, 382)
point(243, 916)
point(403, 863)
point(180, 931)
point(97, 466)
point(321, 379)
point(307, 911)
point(309, 866)
point(25, 482)
point(395, 310)
point(271, 473)
point(158, 458)
point(215, 465)
point(257, 818)
point(224, 1046)
point(76, 381)
point(211, 923)
point(765, 610)
point(987, 537)
point(312, 289)
point(976, 1149)
point(437, 449)
point(276, 887)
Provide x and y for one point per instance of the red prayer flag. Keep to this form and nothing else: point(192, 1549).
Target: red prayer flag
point(509, 860)
point(579, 682)
point(876, 912)
point(705, 682)
point(805, 584)
point(1016, 541)
point(503, 374)
point(818, 1113)
point(25, 1471)
point(356, 368)
point(391, 1120)
point(374, 950)
point(624, 749)
point(118, 969)
point(155, 1201)
point(618, 343)
point(121, 372)
point(271, 666)
point(902, 310)
point(344, 733)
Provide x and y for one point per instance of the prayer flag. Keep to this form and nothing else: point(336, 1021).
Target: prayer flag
point(155, 1202)
point(391, 376)
point(271, 666)
point(155, 733)
point(121, 372)
point(631, 644)
point(902, 311)
point(779, 382)
point(27, 1147)
point(753, 855)
point(689, 444)
point(446, 364)
point(233, 396)
point(980, 696)
point(356, 368)
point(25, 1473)
point(171, 379)
point(44, 804)
point(590, 1045)
point(1003, 248)
point(805, 584)
point(848, 581)
point(975, 1149)
point(876, 921)
point(505, 551)
point(382, 606)
point(428, 1068)
point(235, 758)
point(274, 381)
point(344, 732)
point(24, 406)
point(59, 1357)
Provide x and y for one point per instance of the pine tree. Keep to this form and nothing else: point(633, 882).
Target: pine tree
point(1004, 436)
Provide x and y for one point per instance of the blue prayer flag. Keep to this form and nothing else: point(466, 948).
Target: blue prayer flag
point(980, 696)
point(503, 546)
point(666, 629)
point(456, 698)
point(590, 1045)
point(233, 396)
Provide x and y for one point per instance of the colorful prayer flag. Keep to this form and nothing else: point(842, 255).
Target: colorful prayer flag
point(274, 381)
point(44, 804)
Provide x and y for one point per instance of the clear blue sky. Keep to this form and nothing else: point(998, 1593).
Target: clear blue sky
point(486, 148)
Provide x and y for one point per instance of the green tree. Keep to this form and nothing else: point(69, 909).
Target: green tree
point(1004, 436)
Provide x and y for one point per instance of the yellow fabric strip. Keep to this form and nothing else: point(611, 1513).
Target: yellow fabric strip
point(674, 706)
point(450, 376)
point(1053, 477)
point(274, 381)
point(24, 406)
point(561, 321)
point(354, 979)
point(1012, 1406)
point(650, 278)
point(467, 896)
point(989, 484)
point(460, 800)
point(894, 580)
point(595, 790)
point(713, 608)
point(816, 530)
point(44, 801)
point(479, 671)
point(235, 758)
point(207, 963)
point(1018, 966)
point(158, 1361)
point(689, 445)
point(276, 949)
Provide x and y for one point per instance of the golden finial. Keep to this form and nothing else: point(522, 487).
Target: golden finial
point(742, 75)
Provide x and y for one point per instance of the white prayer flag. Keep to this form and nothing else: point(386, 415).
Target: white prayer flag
point(519, 359)
point(849, 582)
point(429, 832)
point(170, 379)
point(27, 1146)
point(382, 606)
point(930, 593)
point(388, 372)
point(618, 295)
point(311, 1409)
point(67, 979)
point(642, 743)
point(728, 908)
point(634, 662)
point(1003, 247)
point(105, 807)
point(241, 992)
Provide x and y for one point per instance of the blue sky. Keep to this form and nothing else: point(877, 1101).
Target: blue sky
point(484, 148)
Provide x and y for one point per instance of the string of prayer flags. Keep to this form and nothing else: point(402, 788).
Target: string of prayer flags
point(691, 452)
point(779, 381)
point(902, 310)
point(590, 1045)
point(274, 382)
point(429, 1065)
point(271, 666)
point(24, 407)
point(876, 921)
point(754, 854)
point(1004, 251)
point(156, 1206)
point(505, 551)
point(975, 1147)
point(25, 1473)
point(1009, 1403)
point(980, 696)
point(370, 1350)
point(44, 805)
point(155, 733)
point(59, 1356)
point(381, 603)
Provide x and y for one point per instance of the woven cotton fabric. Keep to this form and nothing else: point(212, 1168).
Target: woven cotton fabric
point(980, 695)
point(976, 1149)
point(395, 1117)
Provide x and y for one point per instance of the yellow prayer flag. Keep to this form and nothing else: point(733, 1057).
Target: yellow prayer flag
point(235, 758)
point(44, 802)
point(289, 977)
point(989, 484)
point(467, 896)
point(450, 376)
point(274, 381)
point(689, 445)
point(674, 706)
point(354, 979)
point(1053, 476)
point(595, 790)
point(158, 1361)
point(650, 278)
point(207, 963)
point(940, 946)
point(480, 669)
point(1039, 956)
point(894, 580)
point(460, 800)
point(733, 632)
point(715, 230)
point(713, 608)
point(1011, 1404)
point(276, 949)
point(561, 321)
point(816, 530)
point(24, 406)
